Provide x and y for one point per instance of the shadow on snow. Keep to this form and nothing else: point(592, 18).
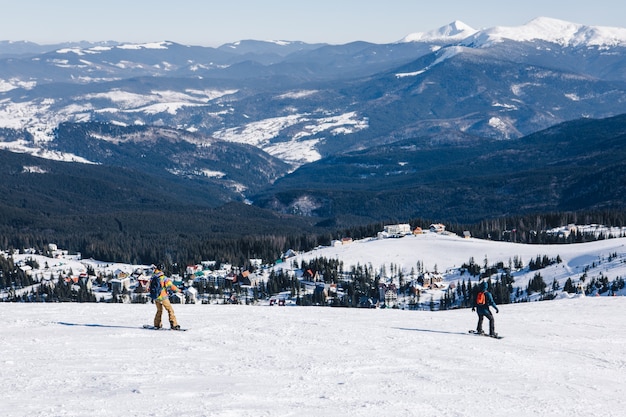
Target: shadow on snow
point(429, 331)
point(97, 325)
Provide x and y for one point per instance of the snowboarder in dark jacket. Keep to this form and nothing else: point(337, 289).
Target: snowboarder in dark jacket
point(481, 303)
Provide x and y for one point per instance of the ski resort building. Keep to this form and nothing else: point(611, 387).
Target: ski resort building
point(437, 228)
point(395, 230)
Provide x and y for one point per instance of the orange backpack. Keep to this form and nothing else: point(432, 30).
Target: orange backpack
point(481, 299)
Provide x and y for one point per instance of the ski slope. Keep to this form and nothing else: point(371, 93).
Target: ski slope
point(446, 253)
point(451, 251)
point(558, 358)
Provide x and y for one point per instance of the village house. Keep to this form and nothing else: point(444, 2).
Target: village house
point(388, 293)
point(309, 275)
point(191, 295)
point(208, 264)
point(395, 230)
point(256, 263)
point(121, 284)
point(85, 280)
point(57, 253)
point(432, 280)
point(192, 270)
point(437, 228)
point(210, 278)
point(177, 298)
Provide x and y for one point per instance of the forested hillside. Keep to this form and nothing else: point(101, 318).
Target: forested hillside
point(579, 165)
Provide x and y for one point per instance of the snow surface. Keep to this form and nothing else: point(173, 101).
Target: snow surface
point(443, 55)
point(296, 151)
point(553, 30)
point(150, 45)
point(21, 146)
point(558, 358)
point(541, 28)
point(456, 30)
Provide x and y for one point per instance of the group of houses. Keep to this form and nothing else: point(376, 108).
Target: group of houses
point(313, 283)
point(404, 229)
point(595, 230)
point(399, 230)
point(130, 284)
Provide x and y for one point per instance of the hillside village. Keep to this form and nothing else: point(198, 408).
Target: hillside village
point(307, 279)
point(205, 282)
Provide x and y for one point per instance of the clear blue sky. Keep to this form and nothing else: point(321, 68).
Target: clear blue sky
point(213, 23)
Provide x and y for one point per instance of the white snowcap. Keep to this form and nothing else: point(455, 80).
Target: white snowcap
point(456, 30)
point(555, 31)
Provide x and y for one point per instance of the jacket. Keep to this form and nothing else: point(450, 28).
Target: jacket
point(484, 309)
point(166, 286)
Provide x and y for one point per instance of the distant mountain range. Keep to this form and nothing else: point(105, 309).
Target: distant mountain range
point(449, 123)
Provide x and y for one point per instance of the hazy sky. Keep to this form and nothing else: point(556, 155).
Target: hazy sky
point(213, 23)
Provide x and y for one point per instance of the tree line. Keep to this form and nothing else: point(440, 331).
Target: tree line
point(238, 247)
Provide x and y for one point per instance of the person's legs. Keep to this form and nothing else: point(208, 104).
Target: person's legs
point(170, 312)
point(492, 323)
point(159, 313)
point(479, 327)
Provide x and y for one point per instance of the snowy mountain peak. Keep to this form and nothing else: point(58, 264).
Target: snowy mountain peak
point(99, 47)
point(555, 31)
point(455, 30)
point(150, 45)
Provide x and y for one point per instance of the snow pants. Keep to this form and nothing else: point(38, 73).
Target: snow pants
point(492, 324)
point(164, 304)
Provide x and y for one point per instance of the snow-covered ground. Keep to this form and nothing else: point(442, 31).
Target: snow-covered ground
point(451, 251)
point(558, 358)
point(447, 253)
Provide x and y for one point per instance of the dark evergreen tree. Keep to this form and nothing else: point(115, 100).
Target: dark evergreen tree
point(536, 284)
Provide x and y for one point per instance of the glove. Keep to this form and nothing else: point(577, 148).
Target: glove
point(473, 308)
point(497, 311)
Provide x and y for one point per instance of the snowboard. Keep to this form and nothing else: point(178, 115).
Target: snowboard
point(485, 334)
point(151, 327)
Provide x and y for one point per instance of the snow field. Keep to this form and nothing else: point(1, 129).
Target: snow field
point(558, 358)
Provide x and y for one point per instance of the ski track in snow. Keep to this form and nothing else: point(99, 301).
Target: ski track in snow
point(558, 358)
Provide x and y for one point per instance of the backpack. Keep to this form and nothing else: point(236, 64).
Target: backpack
point(155, 286)
point(481, 299)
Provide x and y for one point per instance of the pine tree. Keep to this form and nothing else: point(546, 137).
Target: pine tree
point(569, 286)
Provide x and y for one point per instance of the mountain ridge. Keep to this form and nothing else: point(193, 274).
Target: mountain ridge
point(548, 171)
point(555, 31)
point(249, 118)
point(539, 28)
point(109, 72)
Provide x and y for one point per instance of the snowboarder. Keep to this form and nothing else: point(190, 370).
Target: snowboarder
point(162, 299)
point(481, 303)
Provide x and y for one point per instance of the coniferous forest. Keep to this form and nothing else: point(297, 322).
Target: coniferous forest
point(159, 238)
